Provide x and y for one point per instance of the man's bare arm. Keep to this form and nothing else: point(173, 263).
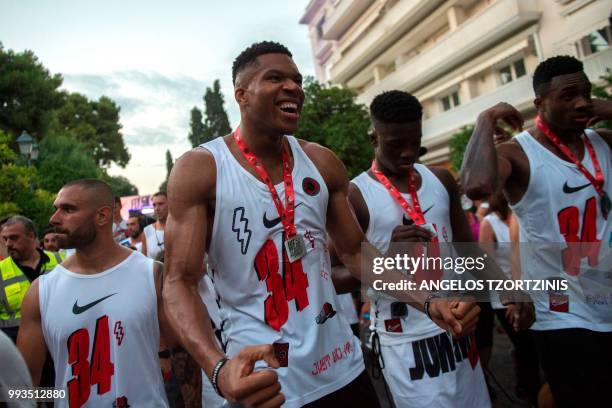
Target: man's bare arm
point(167, 334)
point(483, 170)
point(31, 342)
point(190, 187)
point(191, 181)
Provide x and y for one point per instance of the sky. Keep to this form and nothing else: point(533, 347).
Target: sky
point(153, 58)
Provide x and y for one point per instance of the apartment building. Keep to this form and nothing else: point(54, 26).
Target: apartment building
point(457, 56)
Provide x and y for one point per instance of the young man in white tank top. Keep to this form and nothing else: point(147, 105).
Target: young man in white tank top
point(422, 364)
point(272, 199)
point(154, 233)
point(98, 312)
point(557, 177)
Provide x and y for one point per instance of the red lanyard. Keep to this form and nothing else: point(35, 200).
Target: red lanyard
point(598, 180)
point(286, 213)
point(415, 213)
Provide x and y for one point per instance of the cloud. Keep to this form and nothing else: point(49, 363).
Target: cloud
point(146, 136)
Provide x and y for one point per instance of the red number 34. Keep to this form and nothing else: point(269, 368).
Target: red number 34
point(281, 291)
point(584, 246)
point(101, 369)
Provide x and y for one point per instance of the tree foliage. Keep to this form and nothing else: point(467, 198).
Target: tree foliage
point(62, 159)
point(95, 124)
point(78, 137)
point(169, 164)
point(332, 118)
point(120, 185)
point(196, 126)
point(19, 189)
point(28, 93)
point(604, 91)
point(216, 122)
point(457, 146)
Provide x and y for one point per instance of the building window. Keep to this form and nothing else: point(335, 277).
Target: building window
point(450, 101)
point(320, 28)
point(596, 41)
point(512, 71)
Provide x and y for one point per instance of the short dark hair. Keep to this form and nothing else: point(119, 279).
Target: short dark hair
point(553, 67)
point(48, 230)
point(396, 107)
point(160, 193)
point(249, 55)
point(104, 193)
point(28, 224)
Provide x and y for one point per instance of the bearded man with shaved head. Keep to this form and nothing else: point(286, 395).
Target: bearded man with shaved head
point(99, 312)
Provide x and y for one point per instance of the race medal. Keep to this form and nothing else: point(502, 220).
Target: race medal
point(295, 248)
point(605, 204)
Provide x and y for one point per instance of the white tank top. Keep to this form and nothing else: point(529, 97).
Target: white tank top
point(263, 300)
point(552, 205)
point(155, 241)
point(385, 215)
point(502, 252)
point(103, 334)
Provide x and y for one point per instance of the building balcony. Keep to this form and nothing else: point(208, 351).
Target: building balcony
point(438, 130)
point(343, 16)
point(595, 65)
point(481, 32)
point(384, 33)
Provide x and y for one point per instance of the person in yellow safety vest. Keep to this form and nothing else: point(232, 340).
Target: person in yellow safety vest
point(25, 262)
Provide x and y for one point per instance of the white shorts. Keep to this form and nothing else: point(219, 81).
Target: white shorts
point(435, 372)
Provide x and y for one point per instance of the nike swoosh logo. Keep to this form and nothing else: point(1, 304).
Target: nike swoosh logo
point(407, 221)
point(271, 223)
point(76, 309)
point(568, 190)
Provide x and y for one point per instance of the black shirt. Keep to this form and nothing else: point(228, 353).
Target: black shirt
point(33, 273)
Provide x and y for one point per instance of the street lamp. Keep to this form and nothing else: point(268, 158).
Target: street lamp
point(34, 153)
point(25, 142)
point(28, 147)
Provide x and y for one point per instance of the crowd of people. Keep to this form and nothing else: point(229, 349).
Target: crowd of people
point(204, 306)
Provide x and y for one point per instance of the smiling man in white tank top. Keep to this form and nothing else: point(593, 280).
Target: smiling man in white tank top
point(557, 177)
point(98, 313)
point(273, 199)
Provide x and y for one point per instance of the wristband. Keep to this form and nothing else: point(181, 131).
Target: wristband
point(164, 353)
point(215, 375)
point(427, 302)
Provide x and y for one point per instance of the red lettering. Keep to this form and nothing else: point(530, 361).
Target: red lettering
point(585, 246)
point(98, 373)
point(281, 291)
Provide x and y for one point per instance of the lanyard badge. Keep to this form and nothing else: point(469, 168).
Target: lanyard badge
point(414, 211)
point(295, 246)
point(597, 181)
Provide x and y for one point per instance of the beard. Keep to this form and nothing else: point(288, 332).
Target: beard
point(79, 238)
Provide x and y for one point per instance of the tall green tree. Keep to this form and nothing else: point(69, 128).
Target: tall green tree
point(216, 122)
point(63, 159)
point(28, 93)
point(169, 165)
point(95, 124)
point(457, 145)
point(332, 118)
point(196, 126)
